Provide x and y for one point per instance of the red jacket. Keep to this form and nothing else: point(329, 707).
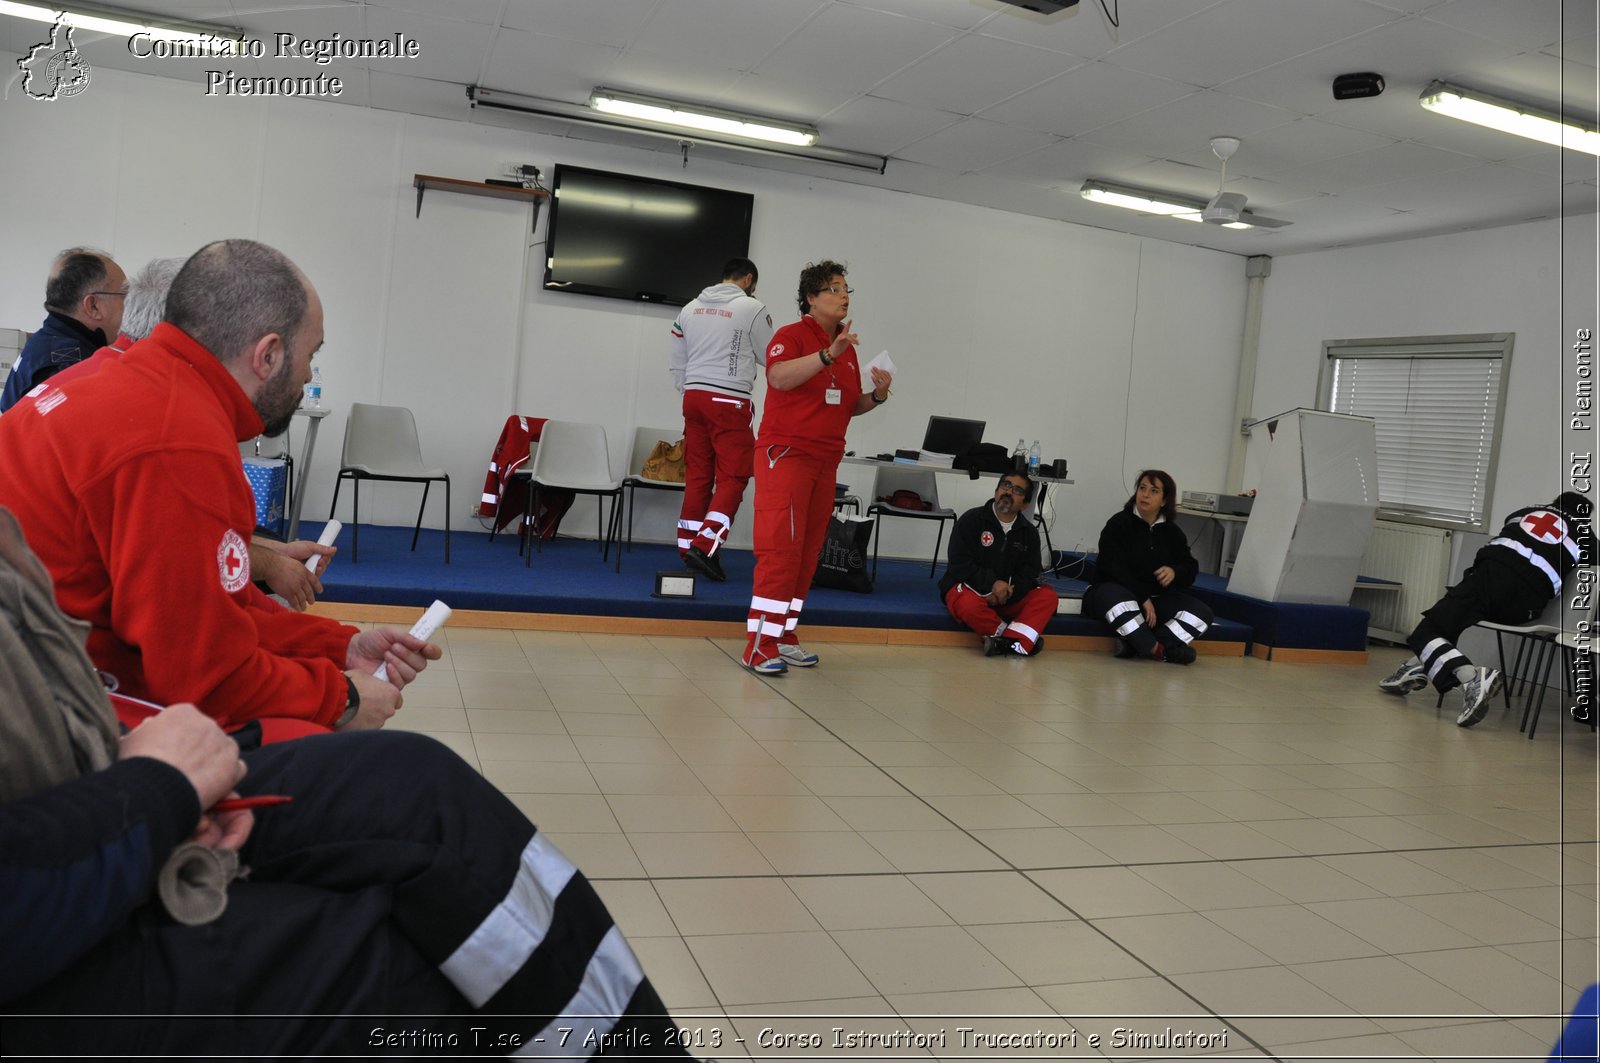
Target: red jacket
point(128, 486)
point(802, 417)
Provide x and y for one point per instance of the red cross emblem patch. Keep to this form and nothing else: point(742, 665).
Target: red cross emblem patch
point(987, 538)
point(1545, 526)
point(233, 561)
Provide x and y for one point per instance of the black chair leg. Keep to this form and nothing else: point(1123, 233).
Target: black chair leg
point(418, 529)
point(529, 508)
point(1537, 698)
point(633, 500)
point(1505, 687)
point(355, 519)
point(338, 481)
point(937, 542)
point(877, 525)
point(447, 520)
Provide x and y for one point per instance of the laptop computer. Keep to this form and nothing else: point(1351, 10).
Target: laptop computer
point(952, 435)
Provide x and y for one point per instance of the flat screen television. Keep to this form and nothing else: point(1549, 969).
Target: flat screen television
point(641, 238)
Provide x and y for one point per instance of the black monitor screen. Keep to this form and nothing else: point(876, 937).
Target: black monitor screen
point(952, 435)
point(640, 238)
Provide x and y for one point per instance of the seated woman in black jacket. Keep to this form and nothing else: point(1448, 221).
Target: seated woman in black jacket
point(1139, 579)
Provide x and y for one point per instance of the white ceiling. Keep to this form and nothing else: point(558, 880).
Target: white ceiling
point(979, 102)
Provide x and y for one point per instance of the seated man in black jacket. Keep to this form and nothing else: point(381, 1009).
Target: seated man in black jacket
point(991, 583)
point(1511, 580)
point(1140, 576)
point(399, 895)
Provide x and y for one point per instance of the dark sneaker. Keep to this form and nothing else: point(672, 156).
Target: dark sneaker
point(797, 655)
point(705, 564)
point(1180, 653)
point(995, 645)
point(1403, 680)
point(1125, 650)
point(1476, 693)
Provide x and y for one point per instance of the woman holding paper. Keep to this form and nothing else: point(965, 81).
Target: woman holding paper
point(814, 387)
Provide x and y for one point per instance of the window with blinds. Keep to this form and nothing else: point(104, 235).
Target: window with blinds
point(1437, 402)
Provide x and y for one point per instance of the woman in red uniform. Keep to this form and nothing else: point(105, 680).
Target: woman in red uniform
point(813, 389)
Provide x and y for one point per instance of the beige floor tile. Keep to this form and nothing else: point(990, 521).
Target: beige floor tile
point(820, 852)
point(734, 906)
point(781, 812)
point(1042, 847)
point(1491, 978)
point(1391, 874)
point(698, 855)
point(1139, 845)
point(625, 778)
point(1274, 1005)
point(1209, 886)
point(989, 812)
point(1304, 880)
point(773, 968)
point(459, 742)
point(923, 960)
point(932, 850)
point(670, 813)
point(1486, 918)
point(539, 777)
point(600, 856)
point(887, 813)
point(675, 973)
point(1228, 841)
point(1384, 989)
point(864, 902)
point(1309, 837)
point(429, 719)
point(1292, 934)
point(1104, 892)
point(580, 813)
point(1181, 943)
point(1059, 951)
point(1168, 808)
point(636, 908)
point(608, 724)
point(748, 780)
point(553, 748)
point(975, 898)
point(1083, 810)
point(829, 780)
point(515, 721)
point(1494, 1041)
point(1392, 925)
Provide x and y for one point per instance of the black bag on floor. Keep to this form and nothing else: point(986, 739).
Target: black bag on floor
point(843, 563)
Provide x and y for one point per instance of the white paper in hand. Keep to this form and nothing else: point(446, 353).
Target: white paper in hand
point(882, 361)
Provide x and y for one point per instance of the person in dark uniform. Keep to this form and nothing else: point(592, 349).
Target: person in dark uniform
point(1511, 580)
point(1140, 576)
point(991, 583)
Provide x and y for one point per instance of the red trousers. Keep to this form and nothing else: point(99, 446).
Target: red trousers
point(1022, 618)
point(717, 450)
point(794, 499)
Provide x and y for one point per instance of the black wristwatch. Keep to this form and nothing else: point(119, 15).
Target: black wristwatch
point(352, 706)
point(827, 359)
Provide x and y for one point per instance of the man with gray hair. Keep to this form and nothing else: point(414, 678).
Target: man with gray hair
point(127, 482)
point(83, 300)
point(279, 565)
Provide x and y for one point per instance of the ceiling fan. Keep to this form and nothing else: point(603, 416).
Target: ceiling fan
point(1227, 208)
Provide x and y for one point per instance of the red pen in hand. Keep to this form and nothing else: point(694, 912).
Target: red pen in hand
point(233, 804)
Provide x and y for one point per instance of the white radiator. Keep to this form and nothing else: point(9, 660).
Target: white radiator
point(1413, 555)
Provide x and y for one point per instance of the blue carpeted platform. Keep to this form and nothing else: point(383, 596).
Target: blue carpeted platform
point(568, 576)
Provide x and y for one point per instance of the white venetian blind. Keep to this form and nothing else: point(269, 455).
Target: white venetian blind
point(1436, 404)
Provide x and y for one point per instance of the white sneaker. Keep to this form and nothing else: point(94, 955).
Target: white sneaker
point(1403, 680)
point(797, 655)
point(1476, 693)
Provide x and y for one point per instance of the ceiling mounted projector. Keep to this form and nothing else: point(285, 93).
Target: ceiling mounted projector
point(1043, 7)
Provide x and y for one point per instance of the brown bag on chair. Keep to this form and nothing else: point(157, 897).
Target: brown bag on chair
point(665, 463)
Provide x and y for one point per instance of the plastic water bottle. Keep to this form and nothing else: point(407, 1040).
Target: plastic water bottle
point(1019, 457)
point(1033, 460)
point(314, 389)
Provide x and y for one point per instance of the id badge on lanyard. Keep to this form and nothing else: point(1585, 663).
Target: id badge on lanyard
point(833, 396)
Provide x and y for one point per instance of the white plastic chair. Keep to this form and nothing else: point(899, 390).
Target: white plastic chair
point(644, 442)
point(925, 483)
point(572, 456)
point(380, 443)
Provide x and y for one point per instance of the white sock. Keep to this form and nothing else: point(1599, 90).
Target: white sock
point(1464, 672)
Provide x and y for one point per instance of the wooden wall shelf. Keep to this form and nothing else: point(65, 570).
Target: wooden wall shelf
point(422, 182)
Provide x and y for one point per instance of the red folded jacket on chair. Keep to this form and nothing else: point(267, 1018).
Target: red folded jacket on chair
point(504, 498)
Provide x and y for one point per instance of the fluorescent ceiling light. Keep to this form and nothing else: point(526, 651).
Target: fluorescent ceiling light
point(119, 23)
point(665, 112)
point(1508, 116)
point(1162, 203)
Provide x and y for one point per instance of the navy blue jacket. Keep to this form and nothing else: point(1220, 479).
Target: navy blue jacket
point(78, 858)
point(61, 341)
point(1131, 551)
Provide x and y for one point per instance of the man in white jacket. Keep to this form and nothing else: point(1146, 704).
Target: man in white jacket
point(717, 341)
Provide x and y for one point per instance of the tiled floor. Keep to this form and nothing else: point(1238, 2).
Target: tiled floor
point(1269, 860)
